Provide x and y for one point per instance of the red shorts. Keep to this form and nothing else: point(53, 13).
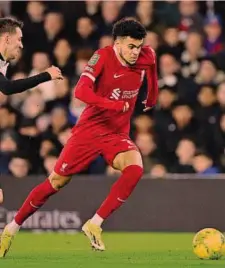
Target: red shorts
point(80, 150)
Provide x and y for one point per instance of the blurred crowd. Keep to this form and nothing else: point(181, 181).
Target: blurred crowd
point(184, 133)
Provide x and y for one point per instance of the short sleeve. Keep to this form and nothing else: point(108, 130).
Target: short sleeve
point(95, 65)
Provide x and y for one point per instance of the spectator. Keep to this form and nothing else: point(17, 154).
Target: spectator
point(158, 171)
point(33, 28)
point(203, 164)
point(192, 55)
point(9, 141)
point(64, 135)
point(64, 58)
point(40, 62)
point(145, 14)
point(92, 9)
point(58, 120)
point(82, 58)
point(53, 26)
point(162, 112)
point(105, 40)
point(148, 149)
point(50, 161)
point(185, 152)
point(48, 144)
point(31, 141)
point(190, 19)
point(207, 109)
point(172, 44)
point(8, 118)
point(218, 142)
point(109, 14)
point(167, 96)
point(221, 97)
point(43, 122)
point(152, 39)
point(170, 76)
point(181, 123)
point(33, 106)
point(86, 36)
point(143, 124)
point(208, 73)
point(213, 30)
point(19, 166)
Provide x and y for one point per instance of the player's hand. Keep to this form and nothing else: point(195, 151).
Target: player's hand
point(120, 106)
point(126, 107)
point(146, 108)
point(55, 72)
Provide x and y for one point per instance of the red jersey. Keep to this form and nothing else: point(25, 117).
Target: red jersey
point(117, 82)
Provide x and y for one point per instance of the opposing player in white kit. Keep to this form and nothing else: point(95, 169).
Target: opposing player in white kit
point(10, 45)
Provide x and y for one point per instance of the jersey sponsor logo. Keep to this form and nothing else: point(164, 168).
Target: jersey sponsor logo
point(94, 59)
point(127, 94)
point(118, 75)
point(130, 94)
point(115, 94)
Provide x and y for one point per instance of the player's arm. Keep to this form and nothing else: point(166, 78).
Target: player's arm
point(84, 89)
point(152, 83)
point(9, 87)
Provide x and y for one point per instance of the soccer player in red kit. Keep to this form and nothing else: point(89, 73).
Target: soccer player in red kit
point(109, 85)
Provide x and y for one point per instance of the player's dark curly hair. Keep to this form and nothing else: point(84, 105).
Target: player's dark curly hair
point(9, 25)
point(128, 27)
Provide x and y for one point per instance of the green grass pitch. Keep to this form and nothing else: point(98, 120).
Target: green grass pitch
point(124, 250)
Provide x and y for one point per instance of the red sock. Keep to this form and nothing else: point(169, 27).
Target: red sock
point(120, 190)
point(36, 199)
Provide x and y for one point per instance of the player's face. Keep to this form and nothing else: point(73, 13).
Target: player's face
point(14, 44)
point(129, 49)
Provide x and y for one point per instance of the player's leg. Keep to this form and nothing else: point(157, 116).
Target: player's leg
point(130, 164)
point(123, 155)
point(35, 200)
point(73, 158)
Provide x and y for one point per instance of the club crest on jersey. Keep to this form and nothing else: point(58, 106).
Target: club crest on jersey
point(94, 59)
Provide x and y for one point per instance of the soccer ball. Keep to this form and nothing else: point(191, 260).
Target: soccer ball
point(209, 244)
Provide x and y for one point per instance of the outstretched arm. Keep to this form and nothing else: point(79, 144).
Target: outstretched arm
point(17, 86)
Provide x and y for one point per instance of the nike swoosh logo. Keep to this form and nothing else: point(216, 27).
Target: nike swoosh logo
point(33, 205)
point(117, 76)
point(121, 200)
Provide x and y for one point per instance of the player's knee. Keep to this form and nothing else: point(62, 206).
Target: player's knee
point(126, 159)
point(58, 181)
